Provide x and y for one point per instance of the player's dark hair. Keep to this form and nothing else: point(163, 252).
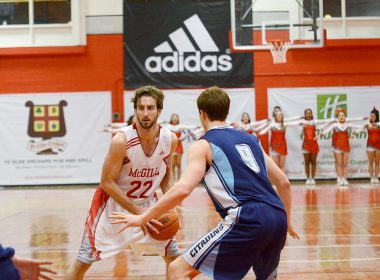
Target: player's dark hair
point(376, 113)
point(246, 114)
point(275, 109)
point(306, 110)
point(151, 91)
point(130, 119)
point(172, 116)
point(215, 102)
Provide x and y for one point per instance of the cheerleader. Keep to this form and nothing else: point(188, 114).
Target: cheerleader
point(310, 148)
point(177, 128)
point(248, 126)
point(373, 145)
point(277, 126)
point(341, 145)
point(277, 140)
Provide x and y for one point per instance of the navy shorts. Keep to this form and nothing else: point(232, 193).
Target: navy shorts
point(250, 236)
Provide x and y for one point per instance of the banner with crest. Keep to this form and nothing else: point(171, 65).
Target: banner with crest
point(53, 138)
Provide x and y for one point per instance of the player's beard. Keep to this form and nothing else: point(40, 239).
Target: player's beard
point(147, 124)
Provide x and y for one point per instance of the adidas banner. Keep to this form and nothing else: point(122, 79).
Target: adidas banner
point(181, 44)
point(357, 101)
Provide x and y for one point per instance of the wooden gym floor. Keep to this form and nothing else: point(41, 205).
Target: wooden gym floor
point(339, 229)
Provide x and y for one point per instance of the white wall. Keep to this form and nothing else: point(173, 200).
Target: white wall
point(104, 8)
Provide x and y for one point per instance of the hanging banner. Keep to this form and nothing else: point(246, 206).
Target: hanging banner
point(357, 101)
point(53, 138)
point(181, 44)
point(184, 103)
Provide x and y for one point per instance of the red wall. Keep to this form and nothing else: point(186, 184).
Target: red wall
point(332, 66)
point(98, 66)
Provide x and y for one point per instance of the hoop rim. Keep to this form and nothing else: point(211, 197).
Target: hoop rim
point(281, 41)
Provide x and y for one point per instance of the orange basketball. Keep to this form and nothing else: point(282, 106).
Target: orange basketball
point(170, 226)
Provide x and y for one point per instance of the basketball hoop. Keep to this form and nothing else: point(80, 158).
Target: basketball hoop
point(278, 48)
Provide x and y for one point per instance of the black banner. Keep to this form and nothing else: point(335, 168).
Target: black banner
point(181, 44)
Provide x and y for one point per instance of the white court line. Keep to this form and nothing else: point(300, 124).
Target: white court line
point(340, 235)
point(332, 246)
point(331, 260)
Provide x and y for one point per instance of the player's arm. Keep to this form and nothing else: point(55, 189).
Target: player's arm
point(329, 128)
point(111, 171)
point(193, 174)
point(279, 179)
point(168, 179)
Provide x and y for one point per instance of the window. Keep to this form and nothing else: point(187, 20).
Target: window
point(332, 8)
point(354, 8)
point(26, 23)
point(362, 8)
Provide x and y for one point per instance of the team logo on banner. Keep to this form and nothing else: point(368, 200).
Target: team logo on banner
point(195, 39)
point(328, 103)
point(46, 122)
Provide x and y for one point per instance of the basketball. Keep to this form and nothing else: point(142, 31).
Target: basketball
point(170, 226)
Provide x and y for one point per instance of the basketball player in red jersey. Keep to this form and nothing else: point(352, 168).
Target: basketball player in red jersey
point(138, 162)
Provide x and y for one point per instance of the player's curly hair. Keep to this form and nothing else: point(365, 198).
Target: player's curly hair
point(215, 102)
point(152, 91)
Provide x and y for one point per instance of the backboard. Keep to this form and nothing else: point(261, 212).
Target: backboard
point(255, 22)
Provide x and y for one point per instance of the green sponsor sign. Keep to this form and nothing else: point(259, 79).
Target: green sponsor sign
point(328, 103)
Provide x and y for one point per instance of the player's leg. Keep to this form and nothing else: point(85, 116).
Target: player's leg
point(338, 165)
point(181, 269)
point(377, 165)
point(175, 162)
point(345, 158)
point(313, 160)
point(282, 163)
point(306, 157)
point(371, 160)
point(276, 158)
point(76, 271)
point(265, 266)
point(179, 170)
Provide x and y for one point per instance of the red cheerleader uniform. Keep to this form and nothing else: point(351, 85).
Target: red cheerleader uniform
point(374, 138)
point(179, 149)
point(340, 140)
point(309, 142)
point(278, 141)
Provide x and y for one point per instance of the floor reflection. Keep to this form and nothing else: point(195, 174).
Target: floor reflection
point(339, 228)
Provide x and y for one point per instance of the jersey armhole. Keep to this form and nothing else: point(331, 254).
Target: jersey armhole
point(207, 165)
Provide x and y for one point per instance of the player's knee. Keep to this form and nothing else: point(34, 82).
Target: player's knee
point(175, 271)
point(76, 271)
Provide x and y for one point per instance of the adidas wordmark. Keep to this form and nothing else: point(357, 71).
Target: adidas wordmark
point(186, 57)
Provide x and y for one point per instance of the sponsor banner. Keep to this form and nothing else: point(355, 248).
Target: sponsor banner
point(357, 101)
point(184, 103)
point(188, 48)
point(53, 138)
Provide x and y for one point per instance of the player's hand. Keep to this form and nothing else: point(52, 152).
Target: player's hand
point(129, 220)
point(32, 269)
point(149, 227)
point(292, 232)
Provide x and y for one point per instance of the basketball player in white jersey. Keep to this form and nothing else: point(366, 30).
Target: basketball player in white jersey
point(138, 162)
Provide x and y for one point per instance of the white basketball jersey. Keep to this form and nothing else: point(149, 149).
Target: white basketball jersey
point(141, 175)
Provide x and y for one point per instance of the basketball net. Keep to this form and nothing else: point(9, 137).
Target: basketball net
point(278, 49)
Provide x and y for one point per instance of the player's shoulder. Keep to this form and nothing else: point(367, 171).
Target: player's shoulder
point(119, 138)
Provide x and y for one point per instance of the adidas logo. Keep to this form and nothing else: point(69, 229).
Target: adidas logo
point(185, 41)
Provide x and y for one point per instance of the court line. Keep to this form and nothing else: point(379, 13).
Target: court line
point(330, 260)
